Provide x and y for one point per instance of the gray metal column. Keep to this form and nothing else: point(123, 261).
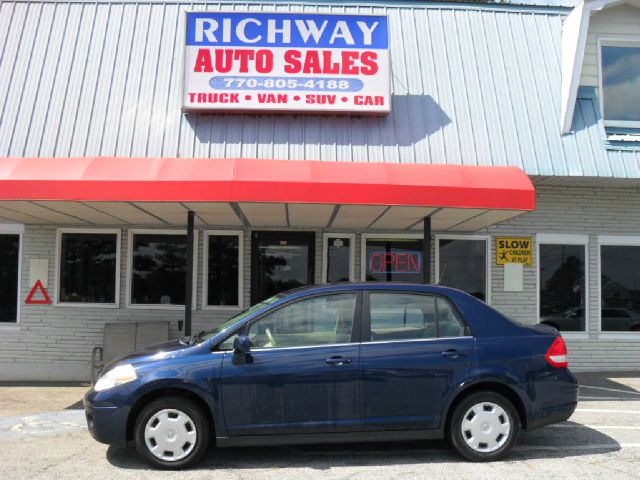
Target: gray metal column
point(188, 271)
point(426, 251)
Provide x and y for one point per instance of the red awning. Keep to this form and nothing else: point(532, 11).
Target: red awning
point(118, 179)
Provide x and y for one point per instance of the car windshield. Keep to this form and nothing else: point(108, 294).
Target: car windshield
point(228, 323)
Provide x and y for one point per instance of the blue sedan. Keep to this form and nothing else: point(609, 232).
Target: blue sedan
point(339, 363)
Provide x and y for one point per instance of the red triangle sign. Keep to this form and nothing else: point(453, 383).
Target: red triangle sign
point(38, 286)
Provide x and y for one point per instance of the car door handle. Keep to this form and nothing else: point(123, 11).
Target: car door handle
point(338, 361)
point(452, 353)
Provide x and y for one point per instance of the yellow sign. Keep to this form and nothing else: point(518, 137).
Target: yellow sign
point(514, 250)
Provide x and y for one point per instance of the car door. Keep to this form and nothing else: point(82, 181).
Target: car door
point(416, 350)
point(302, 373)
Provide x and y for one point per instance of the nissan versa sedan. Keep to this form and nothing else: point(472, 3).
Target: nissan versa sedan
point(339, 363)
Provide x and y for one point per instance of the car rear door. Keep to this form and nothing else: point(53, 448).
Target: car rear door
point(417, 349)
point(302, 374)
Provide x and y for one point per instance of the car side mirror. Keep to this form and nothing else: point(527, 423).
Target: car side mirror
point(241, 344)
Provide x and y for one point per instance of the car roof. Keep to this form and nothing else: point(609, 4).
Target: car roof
point(396, 286)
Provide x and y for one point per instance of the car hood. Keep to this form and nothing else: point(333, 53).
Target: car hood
point(159, 351)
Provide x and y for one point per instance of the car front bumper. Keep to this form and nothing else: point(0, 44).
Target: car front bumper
point(106, 421)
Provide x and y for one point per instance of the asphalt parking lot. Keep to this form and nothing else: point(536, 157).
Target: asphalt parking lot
point(602, 439)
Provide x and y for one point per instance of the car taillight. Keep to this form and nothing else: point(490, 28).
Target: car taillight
point(557, 354)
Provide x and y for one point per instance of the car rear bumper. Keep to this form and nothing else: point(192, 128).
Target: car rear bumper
point(107, 423)
point(556, 399)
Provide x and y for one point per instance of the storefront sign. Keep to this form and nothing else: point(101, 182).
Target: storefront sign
point(395, 262)
point(514, 250)
point(286, 62)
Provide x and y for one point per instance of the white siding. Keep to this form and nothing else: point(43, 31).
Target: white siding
point(620, 21)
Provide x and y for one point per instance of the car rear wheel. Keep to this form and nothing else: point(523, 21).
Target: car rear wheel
point(484, 426)
point(171, 433)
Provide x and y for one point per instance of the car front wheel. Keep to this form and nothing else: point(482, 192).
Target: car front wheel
point(484, 426)
point(171, 433)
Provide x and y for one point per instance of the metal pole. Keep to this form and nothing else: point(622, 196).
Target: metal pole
point(188, 271)
point(426, 251)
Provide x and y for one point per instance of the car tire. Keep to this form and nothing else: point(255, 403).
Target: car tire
point(171, 433)
point(484, 426)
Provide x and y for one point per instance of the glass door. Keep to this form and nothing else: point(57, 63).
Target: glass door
point(280, 261)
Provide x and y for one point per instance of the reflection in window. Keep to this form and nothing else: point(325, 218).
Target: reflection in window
point(562, 287)
point(158, 269)
point(223, 270)
point(620, 288)
point(463, 265)
point(88, 267)
point(338, 259)
point(10, 248)
point(316, 321)
point(400, 316)
point(621, 83)
point(394, 260)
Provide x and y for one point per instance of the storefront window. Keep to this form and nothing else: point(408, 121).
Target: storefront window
point(158, 269)
point(393, 260)
point(223, 270)
point(88, 265)
point(620, 288)
point(562, 286)
point(339, 257)
point(9, 264)
point(463, 265)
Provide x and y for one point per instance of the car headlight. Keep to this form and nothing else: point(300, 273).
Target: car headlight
point(116, 376)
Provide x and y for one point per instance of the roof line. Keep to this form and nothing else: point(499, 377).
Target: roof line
point(448, 5)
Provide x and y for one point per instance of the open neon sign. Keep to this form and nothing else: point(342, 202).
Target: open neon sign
point(395, 262)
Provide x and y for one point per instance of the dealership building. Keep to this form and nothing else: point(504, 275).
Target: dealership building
point(176, 162)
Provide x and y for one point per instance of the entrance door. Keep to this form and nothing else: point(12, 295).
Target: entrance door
point(280, 261)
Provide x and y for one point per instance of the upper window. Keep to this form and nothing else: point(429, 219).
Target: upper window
point(462, 264)
point(392, 259)
point(620, 288)
point(158, 263)
point(620, 83)
point(9, 267)
point(223, 277)
point(323, 320)
point(88, 268)
point(563, 293)
point(399, 316)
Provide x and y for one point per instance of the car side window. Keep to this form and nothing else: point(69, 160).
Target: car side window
point(399, 316)
point(403, 316)
point(449, 322)
point(320, 320)
point(227, 344)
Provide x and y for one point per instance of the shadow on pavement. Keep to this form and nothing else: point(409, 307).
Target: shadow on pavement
point(569, 440)
point(605, 386)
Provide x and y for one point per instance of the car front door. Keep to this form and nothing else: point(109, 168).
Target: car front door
point(302, 373)
point(418, 349)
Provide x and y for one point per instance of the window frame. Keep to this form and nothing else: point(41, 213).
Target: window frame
point(205, 269)
point(566, 239)
point(57, 283)
point(325, 254)
point(356, 333)
point(614, 41)
point(129, 282)
point(381, 236)
point(613, 240)
point(365, 329)
point(15, 229)
point(445, 236)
